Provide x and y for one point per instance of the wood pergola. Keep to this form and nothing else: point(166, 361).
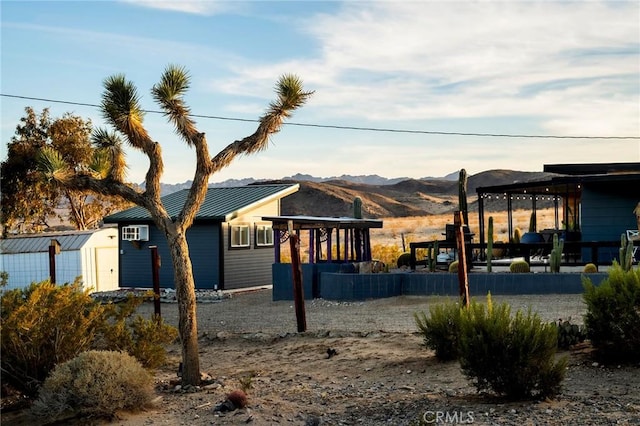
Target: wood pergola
point(352, 233)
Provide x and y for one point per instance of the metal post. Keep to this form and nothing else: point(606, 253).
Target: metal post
point(54, 248)
point(155, 266)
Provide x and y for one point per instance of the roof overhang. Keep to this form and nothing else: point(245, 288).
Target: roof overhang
point(317, 222)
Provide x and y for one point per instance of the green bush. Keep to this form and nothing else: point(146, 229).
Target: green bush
point(511, 356)
point(613, 314)
point(44, 325)
point(519, 267)
point(404, 260)
point(94, 384)
point(441, 329)
point(144, 339)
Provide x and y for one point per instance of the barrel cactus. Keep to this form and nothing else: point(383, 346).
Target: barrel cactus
point(590, 268)
point(453, 266)
point(519, 266)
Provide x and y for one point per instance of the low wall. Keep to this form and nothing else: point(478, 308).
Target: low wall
point(332, 285)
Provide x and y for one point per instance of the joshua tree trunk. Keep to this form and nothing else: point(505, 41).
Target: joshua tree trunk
point(186, 295)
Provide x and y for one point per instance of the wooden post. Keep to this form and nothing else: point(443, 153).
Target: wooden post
point(155, 274)
point(54, 248)
point(298, 290)
point(463, 280)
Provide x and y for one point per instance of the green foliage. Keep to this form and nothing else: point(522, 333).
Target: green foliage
point(512, 356)
point(519, 266)
point(144, 339)
point(613, 314)
point(42, 326)
point(404, 260)
point(626, 253)
point(432, 256)
point(94, 384)
point(569, 334)
point(46, 324)
point(440, 329)
point(453, 266)
point(555, 259)
point(590, 268)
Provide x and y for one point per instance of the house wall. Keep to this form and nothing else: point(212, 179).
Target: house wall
point(607, 212)
point(204, 250)
point(248, 267)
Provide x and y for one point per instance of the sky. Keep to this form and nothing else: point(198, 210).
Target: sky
point(402, 89)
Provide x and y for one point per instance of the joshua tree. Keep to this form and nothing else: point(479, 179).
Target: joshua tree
point(121, 108)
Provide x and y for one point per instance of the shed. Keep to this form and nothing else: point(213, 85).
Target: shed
point(91, 255)
point(230, 245)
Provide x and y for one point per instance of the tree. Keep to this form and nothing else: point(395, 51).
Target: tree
point(121, 108)
point(29, 202)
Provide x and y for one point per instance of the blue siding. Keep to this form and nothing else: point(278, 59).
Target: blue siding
point(607, 212)
point(204, 250)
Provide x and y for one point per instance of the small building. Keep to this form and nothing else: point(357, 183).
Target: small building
point(91, 255)
point(230, 245)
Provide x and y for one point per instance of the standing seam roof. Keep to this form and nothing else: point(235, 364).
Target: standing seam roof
point(218, 203)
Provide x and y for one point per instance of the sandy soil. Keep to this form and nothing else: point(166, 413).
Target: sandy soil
point(381, 373)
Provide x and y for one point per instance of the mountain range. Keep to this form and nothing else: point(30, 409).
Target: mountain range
point(381, 197)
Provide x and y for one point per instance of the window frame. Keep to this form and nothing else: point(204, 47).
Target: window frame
point(265, 230)
point(241, 246)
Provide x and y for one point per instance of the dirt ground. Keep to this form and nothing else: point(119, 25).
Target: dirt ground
point(380, 373)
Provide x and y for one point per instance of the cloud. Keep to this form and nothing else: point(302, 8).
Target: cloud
point(197, 7)
point(573, 65)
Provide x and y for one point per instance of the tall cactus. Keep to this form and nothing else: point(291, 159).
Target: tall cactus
point(357, 208)
point(462, 195)
point(626, 253)
point(432, 256)
point(532, 222)
point(556, 253)
point(490, 244)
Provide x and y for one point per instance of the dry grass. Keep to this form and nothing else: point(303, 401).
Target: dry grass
point(397, 232)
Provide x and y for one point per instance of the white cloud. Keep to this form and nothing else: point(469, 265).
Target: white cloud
point(574, 65)
point(197, 7)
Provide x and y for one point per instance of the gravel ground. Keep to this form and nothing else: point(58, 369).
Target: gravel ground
point(254, 311)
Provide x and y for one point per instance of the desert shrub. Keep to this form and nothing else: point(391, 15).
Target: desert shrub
point(386, 253)
point(46, 324)
point(511, 356)
point(42, 326)
point(590, 268)
point(95, 383)
point(453, 266)
point(613, 314)
point(404, 260)
point(569, 334)
point(142, 338)
point(519, 266)
point(440, 330)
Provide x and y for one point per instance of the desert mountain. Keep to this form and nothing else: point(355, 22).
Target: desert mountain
point(381, 197)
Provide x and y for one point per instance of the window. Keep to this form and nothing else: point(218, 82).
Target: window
point(264, 235)
point(239, 235)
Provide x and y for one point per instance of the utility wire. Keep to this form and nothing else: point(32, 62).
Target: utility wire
point(328, 126)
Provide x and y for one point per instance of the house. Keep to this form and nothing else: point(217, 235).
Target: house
point(230, 245)
point(91, 255)
point(594, 204)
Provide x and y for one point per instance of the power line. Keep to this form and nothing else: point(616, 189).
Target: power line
point(328, 126)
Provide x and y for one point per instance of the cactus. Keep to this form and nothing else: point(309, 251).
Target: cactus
point(533, 222)
point(626, 253)
point(590, 268)
point(490, 244)
point(432, 256)
point(453, 266)
point(556, 254)
point(517, 234)
point(569, 334)
point(357, 208)
point(519, 266)
point(462, 195)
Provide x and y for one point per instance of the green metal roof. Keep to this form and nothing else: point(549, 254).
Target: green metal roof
point(220, 204)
